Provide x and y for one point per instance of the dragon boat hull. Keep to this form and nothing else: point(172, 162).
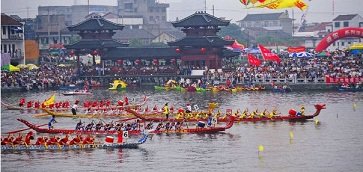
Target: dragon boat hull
point(15, 148)
point(318, 107)
point(70, 131)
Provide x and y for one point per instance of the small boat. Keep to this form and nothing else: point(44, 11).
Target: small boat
point(77, 93)
point(350, 88)
point(118, 84)
point(66, 147)
point(290, 117)
point(282, 90)
point(198, 129)
point(72, 131)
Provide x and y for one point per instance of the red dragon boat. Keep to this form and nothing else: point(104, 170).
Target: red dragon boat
point(72, 131)
point(11, 144)
point(289, 117)
point(198, 130)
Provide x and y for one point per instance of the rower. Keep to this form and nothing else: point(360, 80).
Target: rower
point(64, 140)
point(21, 102)
point(210, 119)
point(160, 126)
point(302, 111)
point(51, 121)
point(79, 125)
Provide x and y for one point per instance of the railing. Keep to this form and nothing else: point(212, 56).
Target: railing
point(275, 80)
point(17, 37)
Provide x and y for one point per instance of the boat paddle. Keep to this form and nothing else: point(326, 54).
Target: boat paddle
point(17, 131)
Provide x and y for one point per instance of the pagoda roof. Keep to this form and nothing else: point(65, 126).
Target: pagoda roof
point(96, 44)
point(95, 23)
point(200, 19)
point(144, 53)
point(210, 41)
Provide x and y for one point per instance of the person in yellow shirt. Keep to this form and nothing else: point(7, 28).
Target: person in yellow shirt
point(166, 110)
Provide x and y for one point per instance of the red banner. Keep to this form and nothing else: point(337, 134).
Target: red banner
point(339, 34)
point(334, 80)
point(296, 49)
point(252, 60)
point(268, 55)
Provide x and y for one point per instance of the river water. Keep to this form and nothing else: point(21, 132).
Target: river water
point(334, 145)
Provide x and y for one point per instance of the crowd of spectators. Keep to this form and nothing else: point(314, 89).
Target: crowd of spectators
point(46, 76)
point(51, 75)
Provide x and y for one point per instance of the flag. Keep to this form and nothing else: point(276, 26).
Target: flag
point(280, 4)
point(245, 2)
point(50, 100)
point(267, 55)
point(252, 60)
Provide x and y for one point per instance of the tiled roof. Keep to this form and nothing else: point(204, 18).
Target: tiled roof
point(200, 19)
point(9, 21)
point(345, 17)
point(210, 41)
point(261, 17)
point(95, 44)
point(96, 23)
point(127, 34)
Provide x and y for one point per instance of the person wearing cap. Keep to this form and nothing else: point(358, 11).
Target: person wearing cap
point(74, 107)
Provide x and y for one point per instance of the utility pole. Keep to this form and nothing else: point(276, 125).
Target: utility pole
point(213, 9)
point(205, 5)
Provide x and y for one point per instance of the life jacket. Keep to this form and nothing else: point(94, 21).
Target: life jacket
point(37, 104)
point(21, 102)
point(29, 104)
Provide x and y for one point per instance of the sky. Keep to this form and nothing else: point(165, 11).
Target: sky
point(319, 10)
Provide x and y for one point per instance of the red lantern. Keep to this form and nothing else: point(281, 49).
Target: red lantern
point(203, 50)
point(177, 50)
point(155, 62)
point(137, 62)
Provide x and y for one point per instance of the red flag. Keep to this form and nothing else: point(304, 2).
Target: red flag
point(267, 55)
point(252, 60)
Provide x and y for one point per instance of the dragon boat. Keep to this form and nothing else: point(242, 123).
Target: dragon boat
point(101, 112)
point(38, 129)
point(65, 147)
point(199, 129)
point(290, 117)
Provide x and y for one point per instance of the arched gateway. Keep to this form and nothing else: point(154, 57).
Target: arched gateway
point(339, 34)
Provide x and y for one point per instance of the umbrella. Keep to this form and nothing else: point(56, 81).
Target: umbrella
point(301, 54)
point(10, 68)
point(32, 66)
point(62, 65)
point(22, 66)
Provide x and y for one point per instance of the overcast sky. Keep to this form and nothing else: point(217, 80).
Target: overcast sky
point(319, 10)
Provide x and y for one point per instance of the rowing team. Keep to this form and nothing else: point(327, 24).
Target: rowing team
point(117, 126)
point(167, 126)
point(41, 140)
point(244, 115)
point(37, 104)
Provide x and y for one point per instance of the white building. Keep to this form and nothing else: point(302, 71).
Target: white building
point(12, 39)
point(343, 21)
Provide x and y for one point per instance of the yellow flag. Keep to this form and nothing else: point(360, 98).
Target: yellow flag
point(291, 135)
point(280, 4)
point(50, 100)
point(261, 148)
